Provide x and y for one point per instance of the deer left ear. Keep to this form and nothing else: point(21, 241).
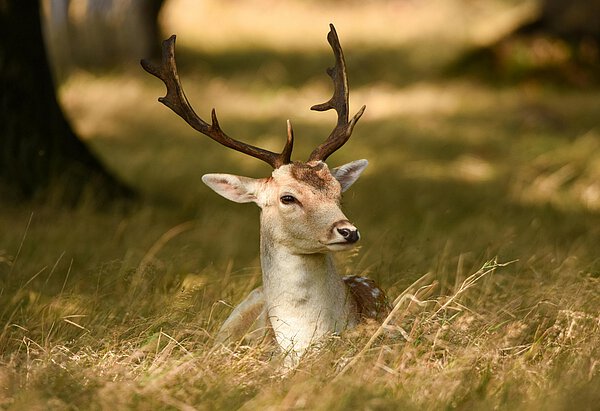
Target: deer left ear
point(235, 188)
point(349, 173)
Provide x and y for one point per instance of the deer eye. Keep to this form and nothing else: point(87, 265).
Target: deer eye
point(287, 199)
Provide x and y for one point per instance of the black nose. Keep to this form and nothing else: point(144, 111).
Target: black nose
point(350, 236)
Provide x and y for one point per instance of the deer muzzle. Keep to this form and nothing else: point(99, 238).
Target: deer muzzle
point(345, 233)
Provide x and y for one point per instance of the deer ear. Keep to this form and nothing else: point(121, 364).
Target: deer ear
point(349, 173)
point(235, 188)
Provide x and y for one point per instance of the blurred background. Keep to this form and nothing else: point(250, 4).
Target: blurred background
point(482, 116)
point(482, 132)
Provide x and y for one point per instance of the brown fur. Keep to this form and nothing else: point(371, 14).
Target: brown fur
point(316, 176)
point(371, 301)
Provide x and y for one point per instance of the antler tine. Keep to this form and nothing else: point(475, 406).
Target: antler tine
point(176, 100)
point(339, 102)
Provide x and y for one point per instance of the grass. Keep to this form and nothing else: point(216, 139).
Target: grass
point(118, 308)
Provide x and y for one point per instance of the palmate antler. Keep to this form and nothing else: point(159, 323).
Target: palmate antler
point(339, 102)
point(176, 100)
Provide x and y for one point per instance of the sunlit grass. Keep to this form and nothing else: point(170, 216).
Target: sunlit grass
point(117, 308)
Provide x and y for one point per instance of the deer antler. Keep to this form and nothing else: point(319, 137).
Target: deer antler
point(176, 100)
point(339, 102)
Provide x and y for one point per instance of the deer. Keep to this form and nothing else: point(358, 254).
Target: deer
point(302, 298)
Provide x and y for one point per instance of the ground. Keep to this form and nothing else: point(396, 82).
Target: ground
point(479, 215)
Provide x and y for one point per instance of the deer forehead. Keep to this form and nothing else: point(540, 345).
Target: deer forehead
point(313, 177)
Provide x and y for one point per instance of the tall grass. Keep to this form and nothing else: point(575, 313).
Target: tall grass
point(478, 215)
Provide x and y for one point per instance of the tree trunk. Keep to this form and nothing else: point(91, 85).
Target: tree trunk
point(99, 35)
point(38, 147)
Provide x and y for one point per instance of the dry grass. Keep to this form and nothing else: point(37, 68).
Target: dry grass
point(117, 309)
point(478, 347)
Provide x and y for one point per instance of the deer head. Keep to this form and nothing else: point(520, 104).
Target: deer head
point(300, 201)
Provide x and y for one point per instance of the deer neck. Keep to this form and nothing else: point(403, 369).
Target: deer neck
point(305, 297)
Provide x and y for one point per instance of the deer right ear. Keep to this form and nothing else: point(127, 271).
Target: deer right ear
point(235, 188)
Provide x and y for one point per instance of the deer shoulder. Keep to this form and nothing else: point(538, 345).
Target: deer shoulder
point(249, 320)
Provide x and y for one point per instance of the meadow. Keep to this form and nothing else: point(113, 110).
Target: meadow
point(479, 215)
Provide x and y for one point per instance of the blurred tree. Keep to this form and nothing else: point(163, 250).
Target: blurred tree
point(574, 20)
point(100, 34)
point(38, 148)
point(561, 41)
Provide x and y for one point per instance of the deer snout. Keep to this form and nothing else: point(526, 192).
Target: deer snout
point(346, 231)
point(351, 236)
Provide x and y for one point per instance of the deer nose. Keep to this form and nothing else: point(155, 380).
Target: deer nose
point(350, 235)
point(348, 232)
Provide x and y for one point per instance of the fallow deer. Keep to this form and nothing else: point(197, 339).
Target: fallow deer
point(302, 298)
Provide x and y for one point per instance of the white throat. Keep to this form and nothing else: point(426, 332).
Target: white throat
point(305, 297)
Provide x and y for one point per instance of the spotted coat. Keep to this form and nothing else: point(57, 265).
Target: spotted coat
point(371, 300)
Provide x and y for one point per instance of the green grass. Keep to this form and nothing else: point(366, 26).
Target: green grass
point(118, 308)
